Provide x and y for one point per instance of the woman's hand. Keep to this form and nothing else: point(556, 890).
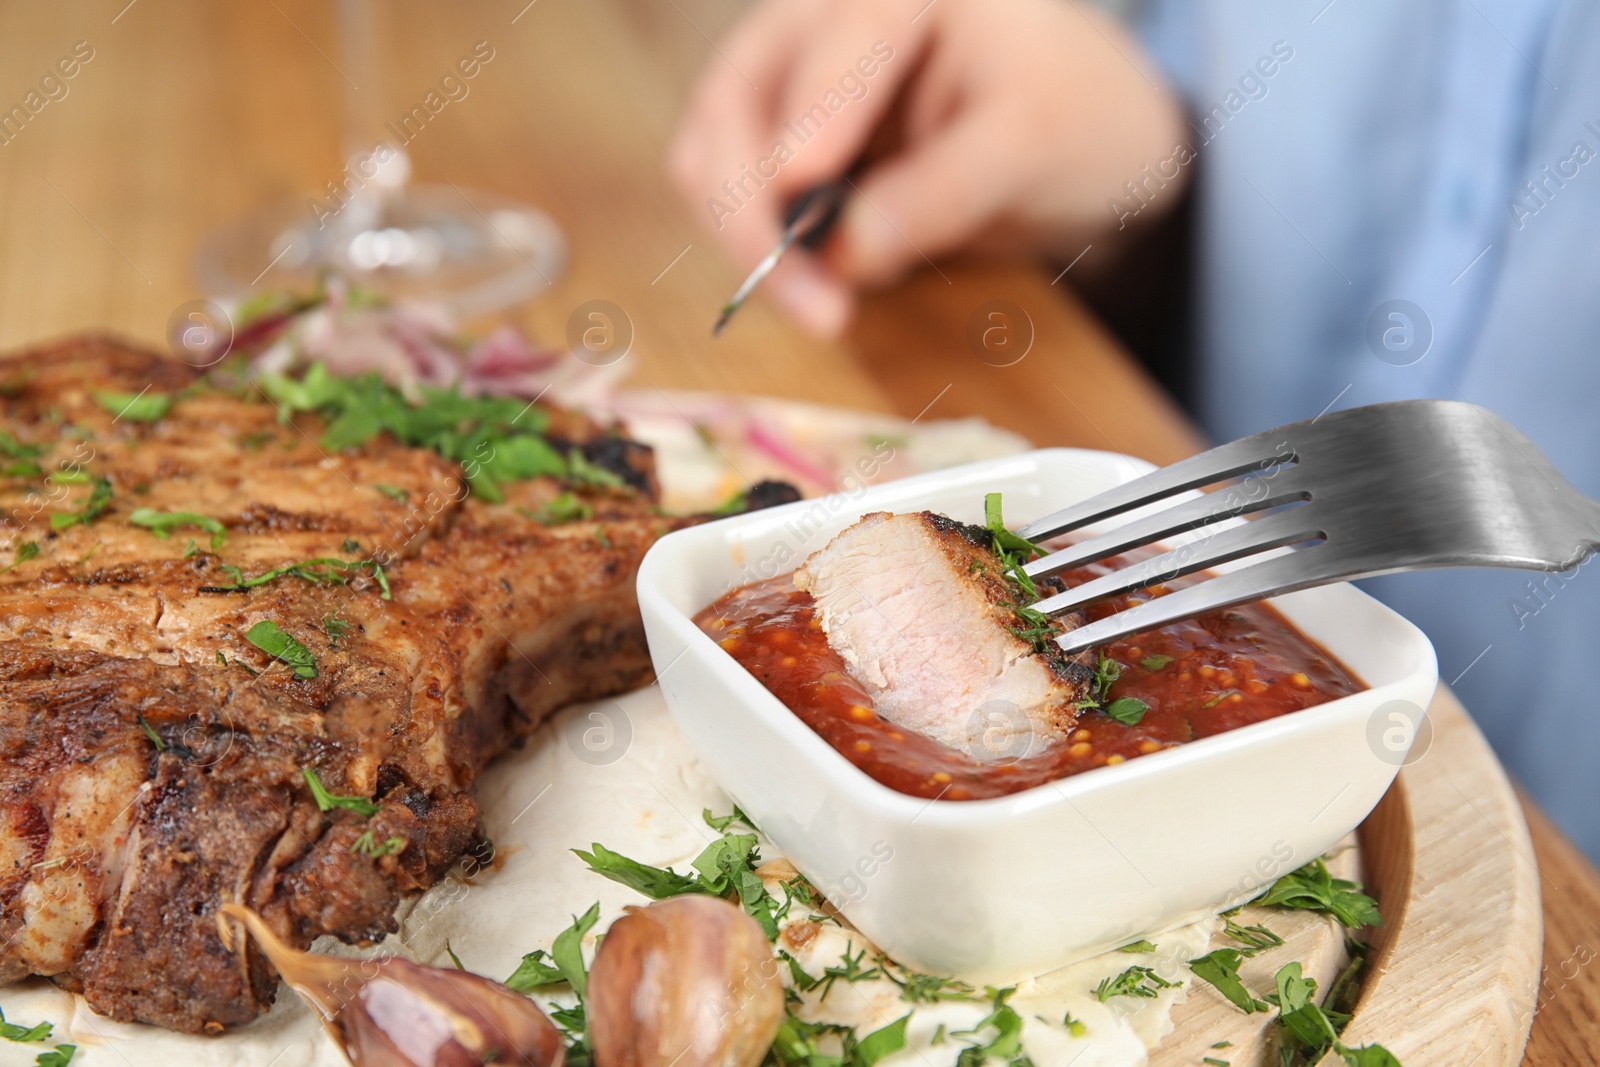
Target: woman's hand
point(1017, 122)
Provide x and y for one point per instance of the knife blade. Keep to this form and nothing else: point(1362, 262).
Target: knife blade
point(806, 223)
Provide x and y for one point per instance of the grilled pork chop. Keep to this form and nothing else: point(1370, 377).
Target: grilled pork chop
point(153, 758)
point(920, 609)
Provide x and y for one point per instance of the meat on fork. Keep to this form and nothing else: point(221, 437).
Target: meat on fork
point(920, 609)
point(153, 758)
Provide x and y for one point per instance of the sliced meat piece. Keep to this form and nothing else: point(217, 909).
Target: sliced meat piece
point(919, 607)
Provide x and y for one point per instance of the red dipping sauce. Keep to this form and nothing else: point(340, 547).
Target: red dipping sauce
point(1200, 677)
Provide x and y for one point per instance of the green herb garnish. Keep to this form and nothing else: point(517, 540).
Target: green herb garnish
point(1138, 946)
point(66, 477)
point(997, 1035)
point(150, 732)
point(22, 468)
point(1254, 938)
point(14, 449)
point(393, 492)
point(1155, 663)
point(93, 508)
point(1127, 710)
point(26, 551)
point(919, 988)
point(726, 867)
point(14, 1032)
point(586, 473)
point(1014, 551)
point(1221, 969)
point(367, 845)
point(495, 439)
point(336, 628)
point(59, 1058)
point(564, 508)
point(327, 801)
point(720, 823)
point(1313, 888)
point(135, 407)
point(271, 638)
point(1133, 982)
point(162, 523)
point(325, 571)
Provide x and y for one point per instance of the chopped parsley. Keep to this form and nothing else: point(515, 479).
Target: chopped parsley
point(1310, 1030)
point(1127, 710)
point(325, 571)
point(1138, 946)
point(848, 968)
point(393, 492)
point(22, 468)
point(350, 546)
point(734, 505)
point(585, 472)
point(367, 845)
point(563, 963)
point(150, 732)
point(66, 477)
point(14, 449)
point(1254, 938)
point(564, 508)
point(1134, 982)
point(336, 628)
point(26, 551)
point(147, 406)
point(327, 801)
point(1156, 662)
point(800, 1043)
point(726, 868)
point(59, 1058)
point(1221, 968)
point(1075, 1027)
point(14, 1032)
point(162, 523)
point(495, 439)
point(919, 988)
point(99, 500)
point(1014, 551)
point(720, 823)
point(272, 639)
point(1313, 888)
point(997, 1035)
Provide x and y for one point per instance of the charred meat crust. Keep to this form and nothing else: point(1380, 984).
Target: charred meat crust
point(153, 758)
point(1003, 591)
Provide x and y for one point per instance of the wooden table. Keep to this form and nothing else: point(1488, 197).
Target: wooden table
point(190, 113)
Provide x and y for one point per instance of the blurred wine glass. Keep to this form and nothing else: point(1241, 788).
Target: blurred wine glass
point(472, 251)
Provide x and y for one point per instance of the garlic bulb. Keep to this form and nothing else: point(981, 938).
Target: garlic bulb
point(690, 981)
point(390, 1012)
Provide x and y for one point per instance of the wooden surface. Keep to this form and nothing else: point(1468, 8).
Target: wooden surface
point(191, 113)
point(1449, 855)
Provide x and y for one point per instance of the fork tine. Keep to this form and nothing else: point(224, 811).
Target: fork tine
point(1222, 546)
point(1190, 514)
point(1270, 577)
point(1260, 452)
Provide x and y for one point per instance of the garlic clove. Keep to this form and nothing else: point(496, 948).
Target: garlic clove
point(685, 982)
point(390, 1012)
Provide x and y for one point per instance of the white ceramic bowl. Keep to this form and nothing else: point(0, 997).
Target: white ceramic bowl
point(995, 890)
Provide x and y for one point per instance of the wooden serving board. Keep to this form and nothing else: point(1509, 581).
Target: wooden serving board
point(1454, 970)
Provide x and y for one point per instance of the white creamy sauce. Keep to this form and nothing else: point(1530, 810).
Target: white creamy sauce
point(616, 772)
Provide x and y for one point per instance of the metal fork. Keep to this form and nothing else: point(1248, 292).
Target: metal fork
point(1362, 492)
